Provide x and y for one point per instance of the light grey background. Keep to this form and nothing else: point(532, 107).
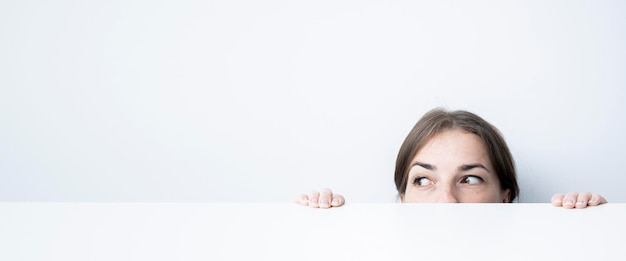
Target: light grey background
point(259, 101)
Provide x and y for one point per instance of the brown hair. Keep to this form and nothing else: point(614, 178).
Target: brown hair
point(437, 120)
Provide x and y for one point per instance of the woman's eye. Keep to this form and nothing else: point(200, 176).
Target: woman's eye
point(422, 181)
point(472, 180)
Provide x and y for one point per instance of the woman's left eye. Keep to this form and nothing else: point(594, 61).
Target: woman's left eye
point(472, 180)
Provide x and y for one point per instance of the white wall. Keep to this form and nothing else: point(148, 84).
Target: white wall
point(261, 100)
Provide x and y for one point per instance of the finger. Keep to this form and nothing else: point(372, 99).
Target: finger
point(596, 200)
point(338, 200)
point(557, 200)
point(303, 199)
point(313, 199)
point(325, 197)
point(569, 200)
point(582, 199)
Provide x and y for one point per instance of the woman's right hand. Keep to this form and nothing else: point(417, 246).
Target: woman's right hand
point(322, 199)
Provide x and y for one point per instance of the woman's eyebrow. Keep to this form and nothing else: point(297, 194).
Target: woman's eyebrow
point(467, 167)
point(424, 165)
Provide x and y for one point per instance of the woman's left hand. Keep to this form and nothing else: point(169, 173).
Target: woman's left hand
point(575, 200)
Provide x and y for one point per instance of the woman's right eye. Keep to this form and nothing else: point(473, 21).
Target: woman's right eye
point(422, 181)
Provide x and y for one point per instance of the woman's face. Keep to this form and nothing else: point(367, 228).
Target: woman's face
point(453, 167)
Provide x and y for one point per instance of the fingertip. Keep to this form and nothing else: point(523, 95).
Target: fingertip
point(557, 200)
point(581, 204)
point(596, 200)
point(303, 200)
point(569, 200)
point(338, 201)
point(313, 198)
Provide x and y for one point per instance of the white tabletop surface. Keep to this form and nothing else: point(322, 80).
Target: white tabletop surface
point(227, 231)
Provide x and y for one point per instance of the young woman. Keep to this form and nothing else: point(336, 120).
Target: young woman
point(454, 157)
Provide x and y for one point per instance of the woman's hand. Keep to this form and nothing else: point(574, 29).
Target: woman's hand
point(322, 199)
point(575, 200)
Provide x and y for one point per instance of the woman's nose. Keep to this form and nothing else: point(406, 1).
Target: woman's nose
point(447, 195)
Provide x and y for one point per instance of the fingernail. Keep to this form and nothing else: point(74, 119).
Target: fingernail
point(335, 202)
point(569, 203)
point(580, 203)
point(324, 204)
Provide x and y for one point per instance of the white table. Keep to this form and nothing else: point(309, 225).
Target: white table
point(227, 231)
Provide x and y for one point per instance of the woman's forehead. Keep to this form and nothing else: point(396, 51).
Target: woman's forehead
point(451, 146)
